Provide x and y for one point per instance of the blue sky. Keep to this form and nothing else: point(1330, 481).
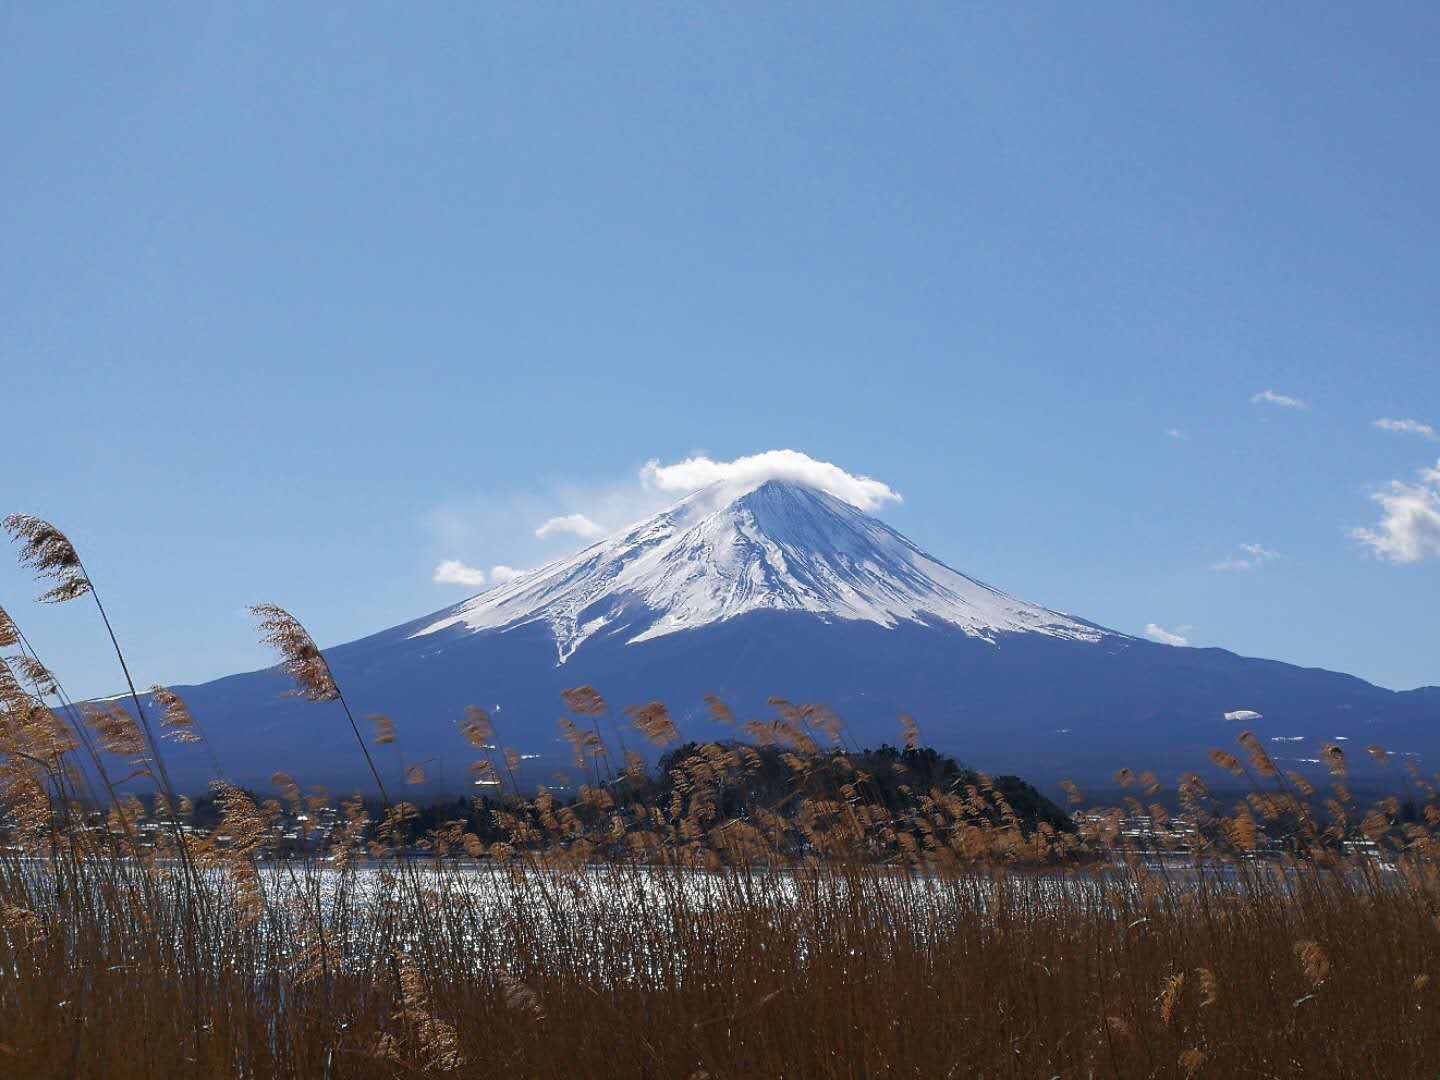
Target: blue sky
point(298, 301)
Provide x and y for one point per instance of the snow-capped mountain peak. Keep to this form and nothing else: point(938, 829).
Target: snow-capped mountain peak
point(779, 547)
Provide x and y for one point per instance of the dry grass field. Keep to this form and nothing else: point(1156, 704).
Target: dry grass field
point(857, 926)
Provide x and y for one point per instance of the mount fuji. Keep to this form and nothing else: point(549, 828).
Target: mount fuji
point(785, 590)
point(780, 547)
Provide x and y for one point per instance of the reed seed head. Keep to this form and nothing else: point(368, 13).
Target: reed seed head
point(175, 718)
point(477, 729)
point(1334, 759)
point(50, 554)
point(584, 701)
point(1301, 784)
point(117, 731)
point(719, 711)
point(1227, 761)
point(300, 657)
point(35, 673)
point(1170, 997)
point(9, 632)
point(287, 786)
point(654, 722)
point(1258, 757)
point(911, 730)
point(1314, 961)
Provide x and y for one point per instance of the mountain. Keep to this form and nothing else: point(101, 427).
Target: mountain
point(781, 547)
point(787, 591)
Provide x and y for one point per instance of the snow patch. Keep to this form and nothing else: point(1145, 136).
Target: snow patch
point(781, 547)
point(1244, 716)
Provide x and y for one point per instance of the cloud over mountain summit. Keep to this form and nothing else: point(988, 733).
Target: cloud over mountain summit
point(745, 473)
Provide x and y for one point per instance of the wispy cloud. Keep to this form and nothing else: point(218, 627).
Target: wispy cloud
point(1285, 401)
point(1231, 564)
point(1410, 528)
point(502, 575)
point(1163, 636)
point(1249, 557)
point(1175, 433)
point(572, 525)
point(1259, 552)
point(695, 473)
point(455, 572)
point(1407, 427)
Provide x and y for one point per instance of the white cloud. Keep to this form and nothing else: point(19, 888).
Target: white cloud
point(500, 575)
point(494, 522)
point(570, 524)
point(1285, 401)
point(750, 472)
point(1408, 427)
point(1410, 528)
point(455, 572)
point(1253, 557)
point(1175, 433)
point(1259, 552)
point(1163, 636)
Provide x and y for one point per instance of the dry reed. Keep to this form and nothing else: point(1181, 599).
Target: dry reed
point(780, 908)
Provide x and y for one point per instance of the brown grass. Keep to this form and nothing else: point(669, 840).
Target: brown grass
point(838, 932)
point(836, 971)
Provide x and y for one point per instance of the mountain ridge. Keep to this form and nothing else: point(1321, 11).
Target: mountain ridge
point(785, 591)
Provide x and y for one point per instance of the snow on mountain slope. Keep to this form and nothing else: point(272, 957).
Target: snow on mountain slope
point(780, 547)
